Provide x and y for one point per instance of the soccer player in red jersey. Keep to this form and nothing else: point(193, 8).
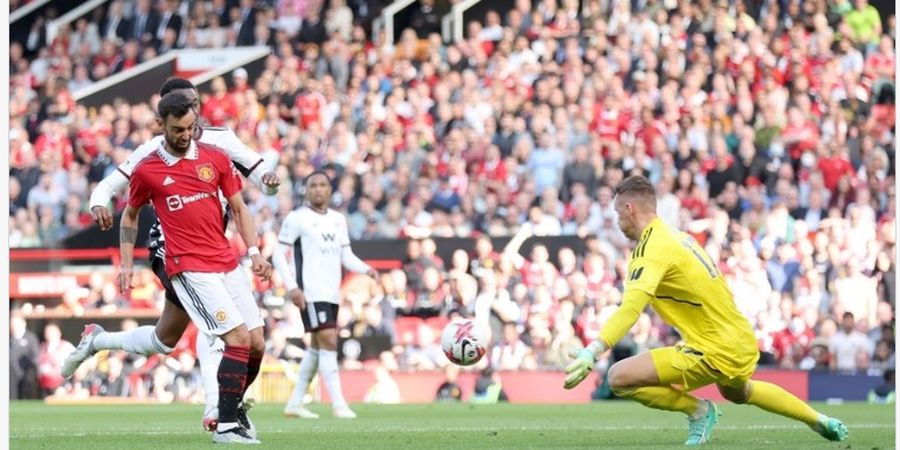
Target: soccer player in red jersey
point(163, 337)
point(182, 180)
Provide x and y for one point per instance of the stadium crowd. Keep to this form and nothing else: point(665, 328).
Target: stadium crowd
point(767, 127)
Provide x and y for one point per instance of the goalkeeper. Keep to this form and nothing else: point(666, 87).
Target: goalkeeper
point(672, 273)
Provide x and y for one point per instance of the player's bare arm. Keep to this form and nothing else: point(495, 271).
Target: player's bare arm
point(127, 238)
point(283, 260)
point(244, 221)
point(298, 298)
point(352, 262)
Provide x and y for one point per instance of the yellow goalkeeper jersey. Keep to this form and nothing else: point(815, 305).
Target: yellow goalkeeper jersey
point(689, 293)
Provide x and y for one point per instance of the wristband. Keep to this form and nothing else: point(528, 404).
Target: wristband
point(252, 251)
point(597, 347)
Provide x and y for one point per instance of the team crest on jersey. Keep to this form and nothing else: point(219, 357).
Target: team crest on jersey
point(221, 316)
point(206, 172)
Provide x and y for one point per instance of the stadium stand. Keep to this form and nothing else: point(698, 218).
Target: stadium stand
point(768, 132)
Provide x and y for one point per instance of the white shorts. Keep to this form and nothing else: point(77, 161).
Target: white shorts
point(218, 302)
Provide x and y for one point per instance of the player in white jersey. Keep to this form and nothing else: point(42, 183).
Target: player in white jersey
point(318, 238)
point(173, 321)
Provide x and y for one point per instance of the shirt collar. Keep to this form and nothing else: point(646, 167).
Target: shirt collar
point(170, 159)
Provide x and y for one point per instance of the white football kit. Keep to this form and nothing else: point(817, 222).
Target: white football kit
point(321, 249)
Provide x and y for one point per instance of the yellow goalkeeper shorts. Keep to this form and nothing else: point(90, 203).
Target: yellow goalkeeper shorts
point(685, 366)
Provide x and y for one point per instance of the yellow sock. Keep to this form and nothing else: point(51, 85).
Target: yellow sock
point(661, 397)
point(774, 399)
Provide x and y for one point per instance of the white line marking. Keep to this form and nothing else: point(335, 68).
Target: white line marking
point(159, 431)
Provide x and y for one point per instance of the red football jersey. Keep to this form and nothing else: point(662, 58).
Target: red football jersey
point(184, 193)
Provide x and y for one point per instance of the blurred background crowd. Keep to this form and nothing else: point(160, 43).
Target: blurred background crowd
point(767, 127)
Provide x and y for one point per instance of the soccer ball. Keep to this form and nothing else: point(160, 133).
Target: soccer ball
point(464, 342)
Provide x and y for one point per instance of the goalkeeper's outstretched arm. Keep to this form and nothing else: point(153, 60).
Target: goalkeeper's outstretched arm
point(621, 321)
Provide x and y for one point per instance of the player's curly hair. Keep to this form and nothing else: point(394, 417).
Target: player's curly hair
point(174, 84)
point(175, 105)
point(317, 172)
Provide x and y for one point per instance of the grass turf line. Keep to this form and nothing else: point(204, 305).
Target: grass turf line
point(34, 425)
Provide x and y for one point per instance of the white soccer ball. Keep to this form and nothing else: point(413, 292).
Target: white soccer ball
point(464, 342)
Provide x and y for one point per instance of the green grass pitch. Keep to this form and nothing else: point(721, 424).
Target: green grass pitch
point(600, 425)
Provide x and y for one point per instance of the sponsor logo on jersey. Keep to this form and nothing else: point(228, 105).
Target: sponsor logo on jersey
point(206, 172)
point(328, 237)
point(168, 181)
point(330, 250)
point(176, 202)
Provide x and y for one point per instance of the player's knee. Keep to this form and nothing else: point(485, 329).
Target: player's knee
point(619, 380)
point(327, 339)
point(257, 345)
point(735, 395)
point(165, 336)
point(168, 341)
point(238, 337)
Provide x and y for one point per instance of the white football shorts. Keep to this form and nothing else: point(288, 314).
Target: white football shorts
point(218, 302)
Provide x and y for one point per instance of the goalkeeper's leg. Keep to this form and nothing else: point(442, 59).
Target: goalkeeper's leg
point(648, 378)
point(636, 378)
point(774, 399)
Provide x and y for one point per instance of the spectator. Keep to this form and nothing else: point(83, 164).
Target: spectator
point(885, 392)
point(510, 353)
point(426, 353)
point(385, 390)
point(23, 359)
point(865, 24)
point(432, 298)
point(580, 171)
point(883, 359)
point(169, 19)
point(245, 21)
point(219, 107)
point(146, 22)
point(846, 344)
point(115, 26)
point(85, 33)
point(449, 391)
point(114, 383)
point(53, 351)
point(819, 358)
point(781, 164)
point(339, 19)
point(312, 30)
point(425, 19)
point(488, 388)
point(782, 268)
point(546, 162)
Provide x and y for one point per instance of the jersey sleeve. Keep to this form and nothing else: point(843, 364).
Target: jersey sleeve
point(245, 159)
point(633, 302)
point(109, 186)
point(138, 155)
point(138, 194)
point(290, 229)
point(230, 181)
point(345, 232)
point(645, 273)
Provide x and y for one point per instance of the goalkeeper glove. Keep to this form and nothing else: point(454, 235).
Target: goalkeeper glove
point(583, 363)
